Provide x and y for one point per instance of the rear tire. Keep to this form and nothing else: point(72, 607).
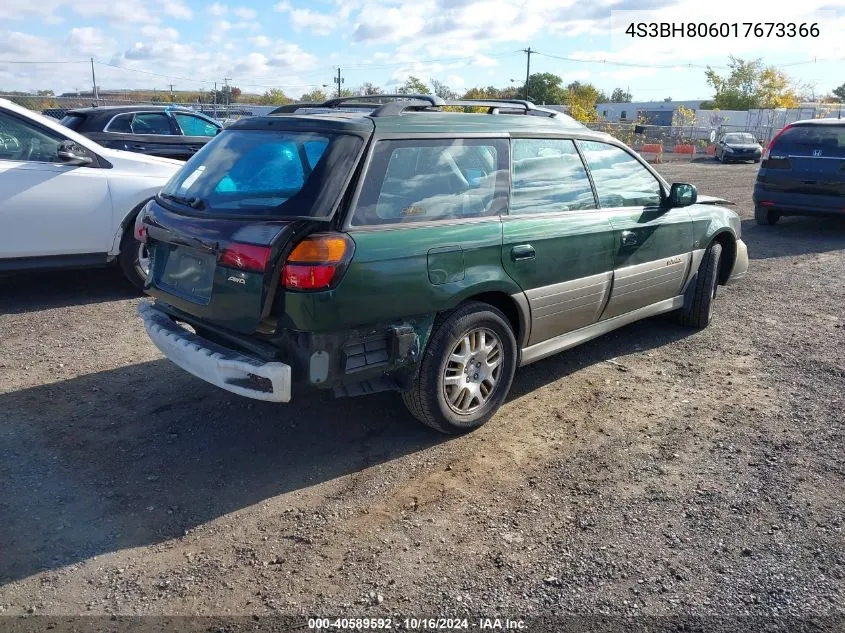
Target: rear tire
point(766, 217)
point(132, 258)
point(700, 296)
point(466, 370)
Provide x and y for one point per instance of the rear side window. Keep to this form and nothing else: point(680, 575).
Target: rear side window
point(548, 177)
point(121, 124)
point(72, 121)
point(620, 179)
point(195, 126)
point(433, 179)
point(812, 140)
point(151, 123)
point(258, 173)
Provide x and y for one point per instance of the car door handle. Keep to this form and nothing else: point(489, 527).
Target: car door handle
point(629, 238)
point(522, 253)
point(136, 146)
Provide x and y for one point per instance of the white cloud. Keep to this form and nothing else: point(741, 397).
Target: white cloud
point(308, 20)
point(261, 41)
point(89, 40)
point(218, 9)
point(455, 81)
point(317, 23)
point(245, 13)
point(177, 9)
point(160, 33)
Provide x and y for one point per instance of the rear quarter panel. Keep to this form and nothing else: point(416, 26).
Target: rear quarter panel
point(390, 277)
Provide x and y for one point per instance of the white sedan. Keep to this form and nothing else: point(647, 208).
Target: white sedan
point(66, 201)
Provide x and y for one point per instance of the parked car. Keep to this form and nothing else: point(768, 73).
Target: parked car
point(420, 250)
point(738, 146)
point(55, 113)
point(66, 201)
point(166, 131)
point(803, 172)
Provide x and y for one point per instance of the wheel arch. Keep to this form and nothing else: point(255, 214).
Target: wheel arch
point(513, 306)
point(727, 240)
point(124, 223)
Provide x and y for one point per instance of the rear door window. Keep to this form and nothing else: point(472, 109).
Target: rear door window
point(819, 140)
point(548, 177)
point(424, 180)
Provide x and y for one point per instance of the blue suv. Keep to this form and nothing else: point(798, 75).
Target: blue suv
point(803, 172)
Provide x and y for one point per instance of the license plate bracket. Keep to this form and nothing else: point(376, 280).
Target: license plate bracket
point(188, 273)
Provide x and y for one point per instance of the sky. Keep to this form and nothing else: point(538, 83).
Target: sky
point(297, 45)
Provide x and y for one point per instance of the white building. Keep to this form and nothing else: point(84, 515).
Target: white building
point(656, 112)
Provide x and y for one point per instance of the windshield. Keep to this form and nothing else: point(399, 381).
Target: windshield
point(813, 140)
point(740, 138)
point(261, 173)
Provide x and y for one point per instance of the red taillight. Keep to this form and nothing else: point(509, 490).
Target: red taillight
point(317, 262)
point(766, 203)
point(140, 230)
point(245, 257)
point(771, 144)
point(303, 277)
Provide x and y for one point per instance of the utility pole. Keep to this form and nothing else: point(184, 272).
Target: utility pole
point(527, 51)
point(226, 90)
point(215, 99)
point(171, 92)
point(94, 92)
point(339, 81)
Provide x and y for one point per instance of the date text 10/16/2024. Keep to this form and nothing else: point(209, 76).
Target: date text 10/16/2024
point(417, 624)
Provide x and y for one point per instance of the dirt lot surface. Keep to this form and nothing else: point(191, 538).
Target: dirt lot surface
point(657, 470)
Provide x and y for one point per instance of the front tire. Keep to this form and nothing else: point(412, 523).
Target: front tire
point(700, 296)
point(466, 371)
point(766, 217)
point(133, 258)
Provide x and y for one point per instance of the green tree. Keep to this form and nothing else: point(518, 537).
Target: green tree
point(442, 90)
point(620, 96)
point(545, 88)
point(737, 90)
point(491, 92)
point(315, 96)
point(369, 89)
point(413, 86)
point(274, 96)
point(839, 93)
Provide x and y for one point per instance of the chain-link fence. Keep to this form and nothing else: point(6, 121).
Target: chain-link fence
point(57, 107)
point(678, 141)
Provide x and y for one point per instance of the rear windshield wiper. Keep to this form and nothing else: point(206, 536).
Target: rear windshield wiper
point(188, 201)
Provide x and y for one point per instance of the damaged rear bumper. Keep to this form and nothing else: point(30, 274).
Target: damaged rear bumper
point(240, 374)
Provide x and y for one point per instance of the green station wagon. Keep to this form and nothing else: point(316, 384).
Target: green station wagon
point(418, 245)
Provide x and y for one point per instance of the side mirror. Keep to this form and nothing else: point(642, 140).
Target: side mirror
point(70, 153)
point(682, 194)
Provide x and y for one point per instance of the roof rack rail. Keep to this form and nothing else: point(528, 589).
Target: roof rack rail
point(496, 105)
point(290, 108)
point(431, 100)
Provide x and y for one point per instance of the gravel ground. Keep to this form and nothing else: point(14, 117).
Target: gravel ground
point(654, 471)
